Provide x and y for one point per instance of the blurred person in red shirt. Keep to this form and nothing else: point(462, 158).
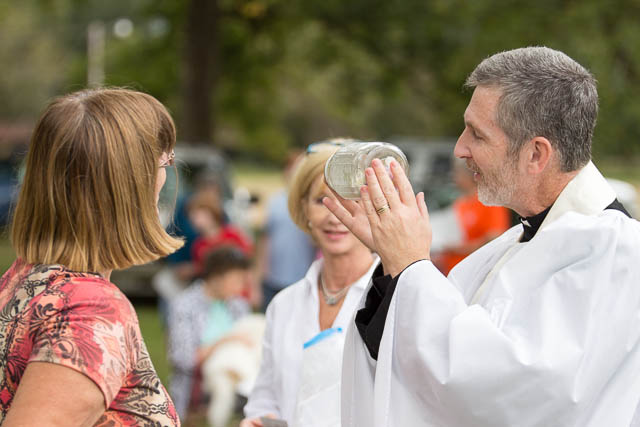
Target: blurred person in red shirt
point(206, 215)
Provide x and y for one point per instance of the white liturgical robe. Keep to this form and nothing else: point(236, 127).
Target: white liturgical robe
point(540, 333)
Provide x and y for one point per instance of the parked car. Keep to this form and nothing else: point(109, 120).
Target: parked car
point(8, 189)
point(430, 168)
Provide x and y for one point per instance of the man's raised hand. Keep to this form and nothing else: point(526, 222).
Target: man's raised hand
point(399, 221)
point(353, 216)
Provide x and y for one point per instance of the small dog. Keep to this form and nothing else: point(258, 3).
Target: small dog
point(233, 368)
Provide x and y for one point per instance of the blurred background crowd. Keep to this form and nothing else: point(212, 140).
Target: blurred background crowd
point(250, 84)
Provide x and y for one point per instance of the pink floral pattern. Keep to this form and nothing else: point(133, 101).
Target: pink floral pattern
point(84, 322)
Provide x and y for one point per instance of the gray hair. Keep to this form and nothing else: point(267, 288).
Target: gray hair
point(544, 93)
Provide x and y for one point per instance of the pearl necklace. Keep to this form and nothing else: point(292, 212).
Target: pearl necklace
point(331, 299)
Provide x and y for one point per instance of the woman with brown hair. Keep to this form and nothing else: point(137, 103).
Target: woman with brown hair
point(72, 352)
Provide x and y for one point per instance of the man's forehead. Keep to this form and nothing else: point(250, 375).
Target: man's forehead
point(470, 117)
point(483, 104)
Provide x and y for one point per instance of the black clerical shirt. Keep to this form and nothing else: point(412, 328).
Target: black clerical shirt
point(371, 318)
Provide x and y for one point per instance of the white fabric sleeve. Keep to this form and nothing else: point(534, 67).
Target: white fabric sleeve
point(542, 353)
point(358, 379)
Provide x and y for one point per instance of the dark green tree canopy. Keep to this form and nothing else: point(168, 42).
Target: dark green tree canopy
point(285, 73)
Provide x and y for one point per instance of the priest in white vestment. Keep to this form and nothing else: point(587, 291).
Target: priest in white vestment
point(540, 327)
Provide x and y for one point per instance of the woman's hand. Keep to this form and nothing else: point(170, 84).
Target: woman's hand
point(251, 422)
point(255, 422)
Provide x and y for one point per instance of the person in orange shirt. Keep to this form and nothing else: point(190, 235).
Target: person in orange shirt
point(478, 223)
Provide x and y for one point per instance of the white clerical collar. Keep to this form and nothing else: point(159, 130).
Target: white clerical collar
point(587, 193)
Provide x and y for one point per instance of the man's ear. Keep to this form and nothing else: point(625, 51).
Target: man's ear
point(538, 153)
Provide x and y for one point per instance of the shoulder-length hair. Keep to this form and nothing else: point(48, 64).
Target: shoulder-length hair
point(88, 196)
point(307, 170)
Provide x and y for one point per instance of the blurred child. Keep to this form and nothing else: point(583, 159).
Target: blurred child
point(201, 317)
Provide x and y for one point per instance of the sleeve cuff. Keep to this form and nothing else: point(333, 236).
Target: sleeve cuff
point(370, 319)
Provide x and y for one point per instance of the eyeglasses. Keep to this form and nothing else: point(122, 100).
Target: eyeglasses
point(169, 161)
point(338, 142)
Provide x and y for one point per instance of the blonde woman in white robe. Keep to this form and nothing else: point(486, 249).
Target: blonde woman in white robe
point(299, 379)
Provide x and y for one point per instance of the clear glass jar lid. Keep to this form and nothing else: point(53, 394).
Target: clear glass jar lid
point(344, 171)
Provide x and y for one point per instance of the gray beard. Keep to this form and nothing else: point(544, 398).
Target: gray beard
point(499, 191)
point(495, 197)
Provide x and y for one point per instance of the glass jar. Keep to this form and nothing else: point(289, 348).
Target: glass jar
point(344, 171)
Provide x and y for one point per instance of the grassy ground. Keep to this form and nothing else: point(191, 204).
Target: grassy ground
point(154, 337)
point(6, 252)
point(261, 182)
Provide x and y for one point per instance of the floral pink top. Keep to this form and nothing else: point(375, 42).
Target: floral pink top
point(83, 322)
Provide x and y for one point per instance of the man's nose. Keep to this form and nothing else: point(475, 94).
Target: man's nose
point(461, 150)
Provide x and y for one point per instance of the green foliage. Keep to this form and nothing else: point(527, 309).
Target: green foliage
point(291, 72)
point(32, 61)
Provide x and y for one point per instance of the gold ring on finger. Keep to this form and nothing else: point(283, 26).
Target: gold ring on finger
point(382, 209)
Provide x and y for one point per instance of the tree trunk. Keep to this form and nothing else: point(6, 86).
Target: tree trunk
point(201, 48)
